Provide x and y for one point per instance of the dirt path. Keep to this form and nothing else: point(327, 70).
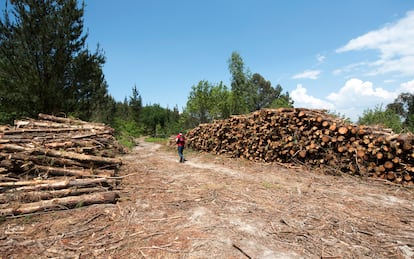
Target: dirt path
point(217, 207)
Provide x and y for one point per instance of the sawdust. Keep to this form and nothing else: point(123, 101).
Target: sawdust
point(218, 207)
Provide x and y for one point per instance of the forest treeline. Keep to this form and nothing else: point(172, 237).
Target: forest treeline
point(46, 67)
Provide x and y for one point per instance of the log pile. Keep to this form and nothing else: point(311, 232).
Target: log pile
point(55, 162)
point(313, 138)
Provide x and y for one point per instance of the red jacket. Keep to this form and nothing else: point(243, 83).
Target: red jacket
point(180, 140)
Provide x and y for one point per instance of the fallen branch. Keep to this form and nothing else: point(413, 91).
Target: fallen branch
point(241, 250)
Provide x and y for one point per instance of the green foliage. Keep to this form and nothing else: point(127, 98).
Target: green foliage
point(158, 121)
point(157, 140)
point(131, 120)
point(151, 116)
point(45, 66)
point(378, 116)
point(199, 101)
point(253, 92)
point(403, 105)
point(221, 97)
point(207, 102)
point(135, 104)
point(126, 131)
point(283, 101)
point(241, 87)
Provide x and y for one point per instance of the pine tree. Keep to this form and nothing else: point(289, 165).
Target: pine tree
point(44, 65)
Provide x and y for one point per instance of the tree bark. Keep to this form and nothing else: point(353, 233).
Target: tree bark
point(59, 203)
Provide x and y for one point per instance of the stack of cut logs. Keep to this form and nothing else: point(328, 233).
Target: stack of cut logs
point(55, 162)
point(310, 137)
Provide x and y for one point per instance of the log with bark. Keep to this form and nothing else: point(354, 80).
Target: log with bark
point(56, 157)
point(311, 137)
point(59, 203)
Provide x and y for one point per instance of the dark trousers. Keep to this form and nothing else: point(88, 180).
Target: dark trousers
point(181, 153)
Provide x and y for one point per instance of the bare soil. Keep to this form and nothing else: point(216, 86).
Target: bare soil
point(218, 207)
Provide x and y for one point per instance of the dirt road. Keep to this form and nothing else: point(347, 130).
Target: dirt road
point(217, 207)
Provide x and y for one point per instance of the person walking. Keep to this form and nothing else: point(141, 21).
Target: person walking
point(180, 140)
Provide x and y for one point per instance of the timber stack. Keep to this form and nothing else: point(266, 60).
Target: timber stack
point(313, 138)
point(56, 162)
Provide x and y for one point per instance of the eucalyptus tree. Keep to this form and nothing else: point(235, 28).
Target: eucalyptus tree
point(267, 96)
point(241, 86)
point(253, 92)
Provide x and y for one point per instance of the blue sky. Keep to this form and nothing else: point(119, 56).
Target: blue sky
point(344, 56)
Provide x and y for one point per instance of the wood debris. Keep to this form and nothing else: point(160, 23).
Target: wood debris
point(54, 163)
point(313, 138)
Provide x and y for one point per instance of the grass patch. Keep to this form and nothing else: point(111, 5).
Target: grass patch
point(268, 185)
point(127, 142)
point(156, 140)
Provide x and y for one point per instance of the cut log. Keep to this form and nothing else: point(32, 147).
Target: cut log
point(314, 137)
point(74, 171)
point(70, 121)
point(55, 184)
point(343, 130)
point(31, 196)
point(59, 203)
point(40, 160)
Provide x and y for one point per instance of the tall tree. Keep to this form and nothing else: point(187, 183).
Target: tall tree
point(253, 92)
point(135, 104)
point(86, 93)
point(220, 101)
point(44, 65)
point(266, 96)
point(199, 102)
point(241, 87)
point(153, 117)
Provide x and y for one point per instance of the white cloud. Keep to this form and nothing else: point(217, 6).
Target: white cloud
point(403, 65)
point(352, 99)
point(407, 87)
point(358, 93)
point(320, 58)
point(309, 74)
point(394, 42)
point(302, 99)
point(349, 68)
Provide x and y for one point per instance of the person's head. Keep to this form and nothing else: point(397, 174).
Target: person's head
point(180, 133)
